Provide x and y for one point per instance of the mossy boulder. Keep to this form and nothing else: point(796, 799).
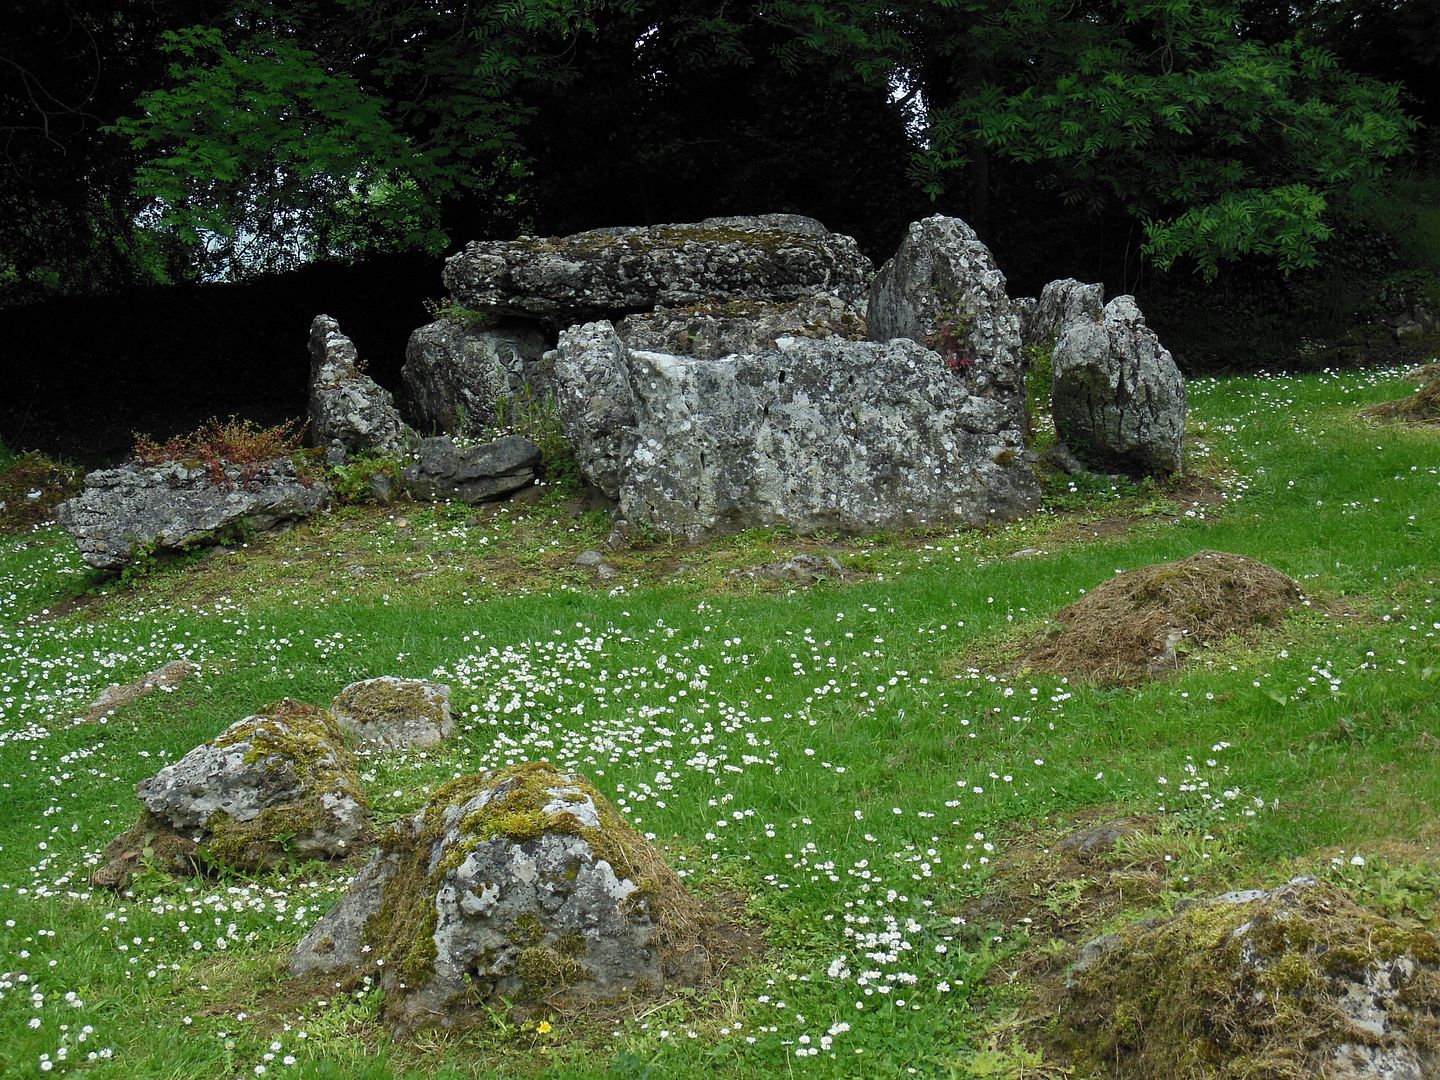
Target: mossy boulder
point(1144, 623)
point(523, 886)
point(1293, 982)
point(274, 785)
point(395, 712)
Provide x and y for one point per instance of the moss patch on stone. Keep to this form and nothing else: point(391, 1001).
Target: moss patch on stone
point(31, 486)
point(1141, 624)
point(1225, 991)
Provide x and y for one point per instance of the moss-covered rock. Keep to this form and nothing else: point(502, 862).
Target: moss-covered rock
point(276, 784)
point(1287, 983)
point(523, 886)
point(395, 712)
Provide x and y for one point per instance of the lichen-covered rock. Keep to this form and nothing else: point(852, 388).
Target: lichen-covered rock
point(395, 712)
point(349, 410)
point(455, 375)
point(521, 886)
point(470, 474)
point(1061, 303)
point(275, 784)
point(172, 507)
point(566, 280)
point(1118, 399)
point(943, 289)
point(595, 402)
point(814, 435)
point(739, 326)
point(1292, 981)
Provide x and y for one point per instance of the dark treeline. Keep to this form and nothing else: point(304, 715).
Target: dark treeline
point(1271, 156)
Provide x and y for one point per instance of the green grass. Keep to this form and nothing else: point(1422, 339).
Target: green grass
point(840, 755)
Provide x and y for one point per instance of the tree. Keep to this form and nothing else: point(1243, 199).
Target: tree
point(304, 129)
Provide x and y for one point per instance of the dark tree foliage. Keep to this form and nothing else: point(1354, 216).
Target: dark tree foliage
point(68, 202)
point(229, 137)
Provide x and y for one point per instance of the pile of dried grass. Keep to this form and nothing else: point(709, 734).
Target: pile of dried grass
point(1140, 624)
point(1421, 407)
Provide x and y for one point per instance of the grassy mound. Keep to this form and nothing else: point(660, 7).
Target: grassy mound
point(1421, 407)
point(1295, 982)
point(1140, 624)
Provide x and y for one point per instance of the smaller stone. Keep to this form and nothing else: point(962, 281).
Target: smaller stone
point(275, 784)
point(589, 558)
point(395, 713)
point(442, 470)
point(521, 887)
point(606, 573)
point(112, 697)
point(799, 569)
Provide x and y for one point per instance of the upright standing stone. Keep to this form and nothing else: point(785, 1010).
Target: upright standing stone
point(1118, 397)
point(349, 411)
point(944, 290)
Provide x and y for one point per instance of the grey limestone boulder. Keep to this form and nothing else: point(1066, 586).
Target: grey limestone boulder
point(395, 713)
point(814, 435)
point(739, 326)
point(277, 783)
point(441, 469)
point(349, 411)
point(943, 289)
point(455, 375)
point(1297, 977)
point(1118, 399)
point(522, 886)
point(1061, 303)
point(171, 507)
point(595, 402)
point(605, 272)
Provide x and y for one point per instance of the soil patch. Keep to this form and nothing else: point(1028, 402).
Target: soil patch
point(1142, 624)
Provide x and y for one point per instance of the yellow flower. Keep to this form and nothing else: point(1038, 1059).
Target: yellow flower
point(544, 1027)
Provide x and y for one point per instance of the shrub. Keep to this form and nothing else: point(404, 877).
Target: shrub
point(216, 444)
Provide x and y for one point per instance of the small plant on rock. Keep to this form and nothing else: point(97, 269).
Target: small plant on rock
point(952, 327)
point(216, 444)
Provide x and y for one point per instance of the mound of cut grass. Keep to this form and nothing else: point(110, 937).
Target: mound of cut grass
point(1140, 624)
point(1421, 407)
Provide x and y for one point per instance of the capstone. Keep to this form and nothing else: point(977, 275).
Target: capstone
point(566, 280)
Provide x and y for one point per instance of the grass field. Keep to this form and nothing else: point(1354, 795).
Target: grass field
point(854, 761)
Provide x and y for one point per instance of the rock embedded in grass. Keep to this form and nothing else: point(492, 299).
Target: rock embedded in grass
point(395, 712)
point(1295, 981)
point(276, 784)
point(522, 885)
